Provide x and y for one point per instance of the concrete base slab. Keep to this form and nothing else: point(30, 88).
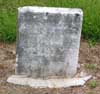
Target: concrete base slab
point(48, 83)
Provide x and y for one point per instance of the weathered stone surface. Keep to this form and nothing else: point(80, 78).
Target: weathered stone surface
point(48, 41)
point(48, 83)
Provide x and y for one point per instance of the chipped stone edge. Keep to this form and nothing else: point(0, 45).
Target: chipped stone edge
point(48, 83)
point(50, 10)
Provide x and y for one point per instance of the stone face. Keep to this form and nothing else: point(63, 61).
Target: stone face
point(48, 41)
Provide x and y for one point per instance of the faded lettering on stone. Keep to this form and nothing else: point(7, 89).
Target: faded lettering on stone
point(48, 41)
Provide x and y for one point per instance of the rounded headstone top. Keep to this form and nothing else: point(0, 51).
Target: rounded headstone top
point(37, 9)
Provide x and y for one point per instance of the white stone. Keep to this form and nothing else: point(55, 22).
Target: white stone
point(38, 9)
point(48, 83)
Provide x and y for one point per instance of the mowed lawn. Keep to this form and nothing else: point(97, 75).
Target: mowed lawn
point(91, 22)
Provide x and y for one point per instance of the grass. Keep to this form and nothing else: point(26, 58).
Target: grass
point(92, 84)
point(92, 43)
point(91, 66)
point(91, 22)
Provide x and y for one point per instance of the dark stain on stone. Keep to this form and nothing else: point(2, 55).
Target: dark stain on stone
point(77, 18)
point(68, 20)
point(53, 19)
point(38, 72)
point(20, 51)
point(59, 55)
point(47, 13)
point(77, 15)
point(45, 61)
point(34, 52)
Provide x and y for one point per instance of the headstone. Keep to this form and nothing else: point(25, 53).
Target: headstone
point(48, 42)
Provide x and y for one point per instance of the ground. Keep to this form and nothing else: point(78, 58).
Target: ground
point(89, 60)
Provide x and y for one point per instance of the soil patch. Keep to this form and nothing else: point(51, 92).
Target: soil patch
point(89, 59)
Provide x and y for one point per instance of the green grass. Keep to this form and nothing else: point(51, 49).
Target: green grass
point(91, 9)
point(91, 66)
point(92, 43)
point(92, 84)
